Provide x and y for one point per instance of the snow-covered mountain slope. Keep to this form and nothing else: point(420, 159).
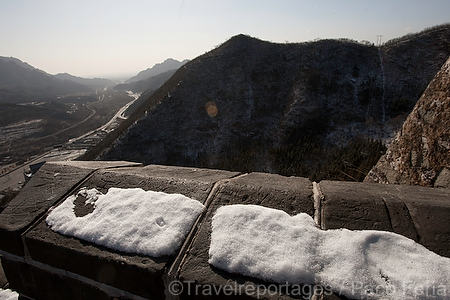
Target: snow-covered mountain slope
point(312, 109)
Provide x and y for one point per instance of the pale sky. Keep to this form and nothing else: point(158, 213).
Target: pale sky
point(108, 37)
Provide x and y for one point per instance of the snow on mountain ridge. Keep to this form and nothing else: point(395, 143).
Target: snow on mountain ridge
point(279, 104)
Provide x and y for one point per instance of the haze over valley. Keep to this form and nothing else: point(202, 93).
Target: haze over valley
point(61, 116)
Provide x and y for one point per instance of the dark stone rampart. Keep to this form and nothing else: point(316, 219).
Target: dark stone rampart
point(42, 264)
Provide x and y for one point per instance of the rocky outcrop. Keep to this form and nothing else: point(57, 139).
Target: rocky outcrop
point(420, 153)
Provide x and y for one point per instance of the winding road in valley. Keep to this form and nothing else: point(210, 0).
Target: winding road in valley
point(14, 178)
point(120, 114)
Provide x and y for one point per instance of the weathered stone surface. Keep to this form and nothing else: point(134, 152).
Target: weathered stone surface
point(430, 211)
point(97, 165)
point(137, 274)
point(400, 217)
point(55, 264)
point(50, 184)
point(443, 179)
point(293, 195)
point(421, 150)
point(36, 283)
point(3, 280)
point(418, 213)
point(192, 182)
point(351, 205)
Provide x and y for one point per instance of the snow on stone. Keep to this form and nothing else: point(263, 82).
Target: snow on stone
point(8, 295)
point(271, 245)
point(129, 220)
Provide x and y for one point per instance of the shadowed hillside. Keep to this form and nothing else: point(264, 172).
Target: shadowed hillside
point(20, 82)
point(151, 83)
point(317, 109)
point(167, 65)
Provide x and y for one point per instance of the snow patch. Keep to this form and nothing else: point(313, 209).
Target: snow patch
point(271, 245)
point(8, 295)
point(129, 220)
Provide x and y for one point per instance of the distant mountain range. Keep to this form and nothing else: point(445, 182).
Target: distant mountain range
point(21, 82)
point(20, 63)
point(148, 84)
point(167, 65)
point(316, 109)
point(38, 110)
point(94, 83)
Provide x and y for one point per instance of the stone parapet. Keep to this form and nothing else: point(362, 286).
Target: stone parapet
point(42, 264)
point(53, 182)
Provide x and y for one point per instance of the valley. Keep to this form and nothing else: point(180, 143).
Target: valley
point(39, 110)
point(45, 124)
point(23, 145)
point(59, 117)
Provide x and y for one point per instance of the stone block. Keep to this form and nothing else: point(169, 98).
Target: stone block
point(352, 205)
point(53, 181)
point(360, 206)
point(97, 165)
point(192, 182)
point(136, 274)
point(202, 281)
point(36, 283)
point(400, 218)
point(419, 213)
point(430, 211)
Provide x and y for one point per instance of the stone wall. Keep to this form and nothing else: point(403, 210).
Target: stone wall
point(42, 264)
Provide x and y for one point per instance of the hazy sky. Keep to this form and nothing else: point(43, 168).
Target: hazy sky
point(101, 38)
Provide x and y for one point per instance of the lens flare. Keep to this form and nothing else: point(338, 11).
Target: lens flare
point(211, 109)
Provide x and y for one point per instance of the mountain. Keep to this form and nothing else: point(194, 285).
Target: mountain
point(167, 65)
point(145, 87)
point(94, 83)
point(420, 153)
point(151, 83)
point(318, 109)
point(20, 63)
point(20, 82)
